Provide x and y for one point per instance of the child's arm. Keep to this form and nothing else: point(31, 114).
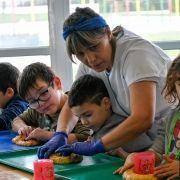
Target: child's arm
point(18, 125)
point(11, 112)
point(40, 134)
point(26, 122)
point(119, 152)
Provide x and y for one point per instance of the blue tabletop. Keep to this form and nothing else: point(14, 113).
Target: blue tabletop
point(6, 144)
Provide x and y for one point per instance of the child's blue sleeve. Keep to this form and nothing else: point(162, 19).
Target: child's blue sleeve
point(13, 109)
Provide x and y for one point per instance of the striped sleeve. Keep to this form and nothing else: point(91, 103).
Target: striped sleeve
point(81, 131)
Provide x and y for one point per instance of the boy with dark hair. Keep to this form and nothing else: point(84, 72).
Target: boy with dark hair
point(11, 103)
point(43, 90)
point(89, 101)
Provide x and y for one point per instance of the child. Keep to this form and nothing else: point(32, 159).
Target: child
point(11, 104)
point(43, 90)
point(89, 101)
point(168, 142)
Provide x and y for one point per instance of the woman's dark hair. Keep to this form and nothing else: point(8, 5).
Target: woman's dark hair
point(87, 89)
point(173, 76)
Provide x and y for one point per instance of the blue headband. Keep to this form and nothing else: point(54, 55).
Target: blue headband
point(84, 25)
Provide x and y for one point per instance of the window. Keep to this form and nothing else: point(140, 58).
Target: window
point(22, 61)
point(24, 31)
point(23, 24)
point(155, 20)
point(30, 30)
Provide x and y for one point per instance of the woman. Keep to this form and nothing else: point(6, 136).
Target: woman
point(133, 71)
point(166, 147)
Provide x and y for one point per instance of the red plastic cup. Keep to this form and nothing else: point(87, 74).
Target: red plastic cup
point(144, 163)
point(43, 169)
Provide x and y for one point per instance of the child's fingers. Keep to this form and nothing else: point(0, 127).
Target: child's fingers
point(166, 173)
point(22, 131)
point(122, 169)
point(172, 177)
point(27, 130)
point(19, 131)
point(161, 171)
point(29, 136)
point(126, 167)
point(118, 171)
point(32, 134)
point(167, 158)
point(163, 166)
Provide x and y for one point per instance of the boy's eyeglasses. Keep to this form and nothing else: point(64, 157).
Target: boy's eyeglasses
point(43, 97)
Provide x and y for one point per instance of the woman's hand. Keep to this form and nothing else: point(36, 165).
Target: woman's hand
point(58, 139)
point(87, 148)
point(127, 165)
point(170, 169)
point(25, 130)
point(40, 134)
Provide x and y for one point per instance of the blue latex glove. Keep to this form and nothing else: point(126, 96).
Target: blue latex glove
point(59, 139)
point(87, 148)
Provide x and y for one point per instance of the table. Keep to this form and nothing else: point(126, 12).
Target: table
point(9, 173)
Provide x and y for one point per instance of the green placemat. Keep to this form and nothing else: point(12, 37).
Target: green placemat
point(100, 165)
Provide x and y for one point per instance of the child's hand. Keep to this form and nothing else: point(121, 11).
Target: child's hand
point(25, 130)
point(40, 134)
point(170, 169)
point(127, 165)
point(118, 152)
point(72, 138)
